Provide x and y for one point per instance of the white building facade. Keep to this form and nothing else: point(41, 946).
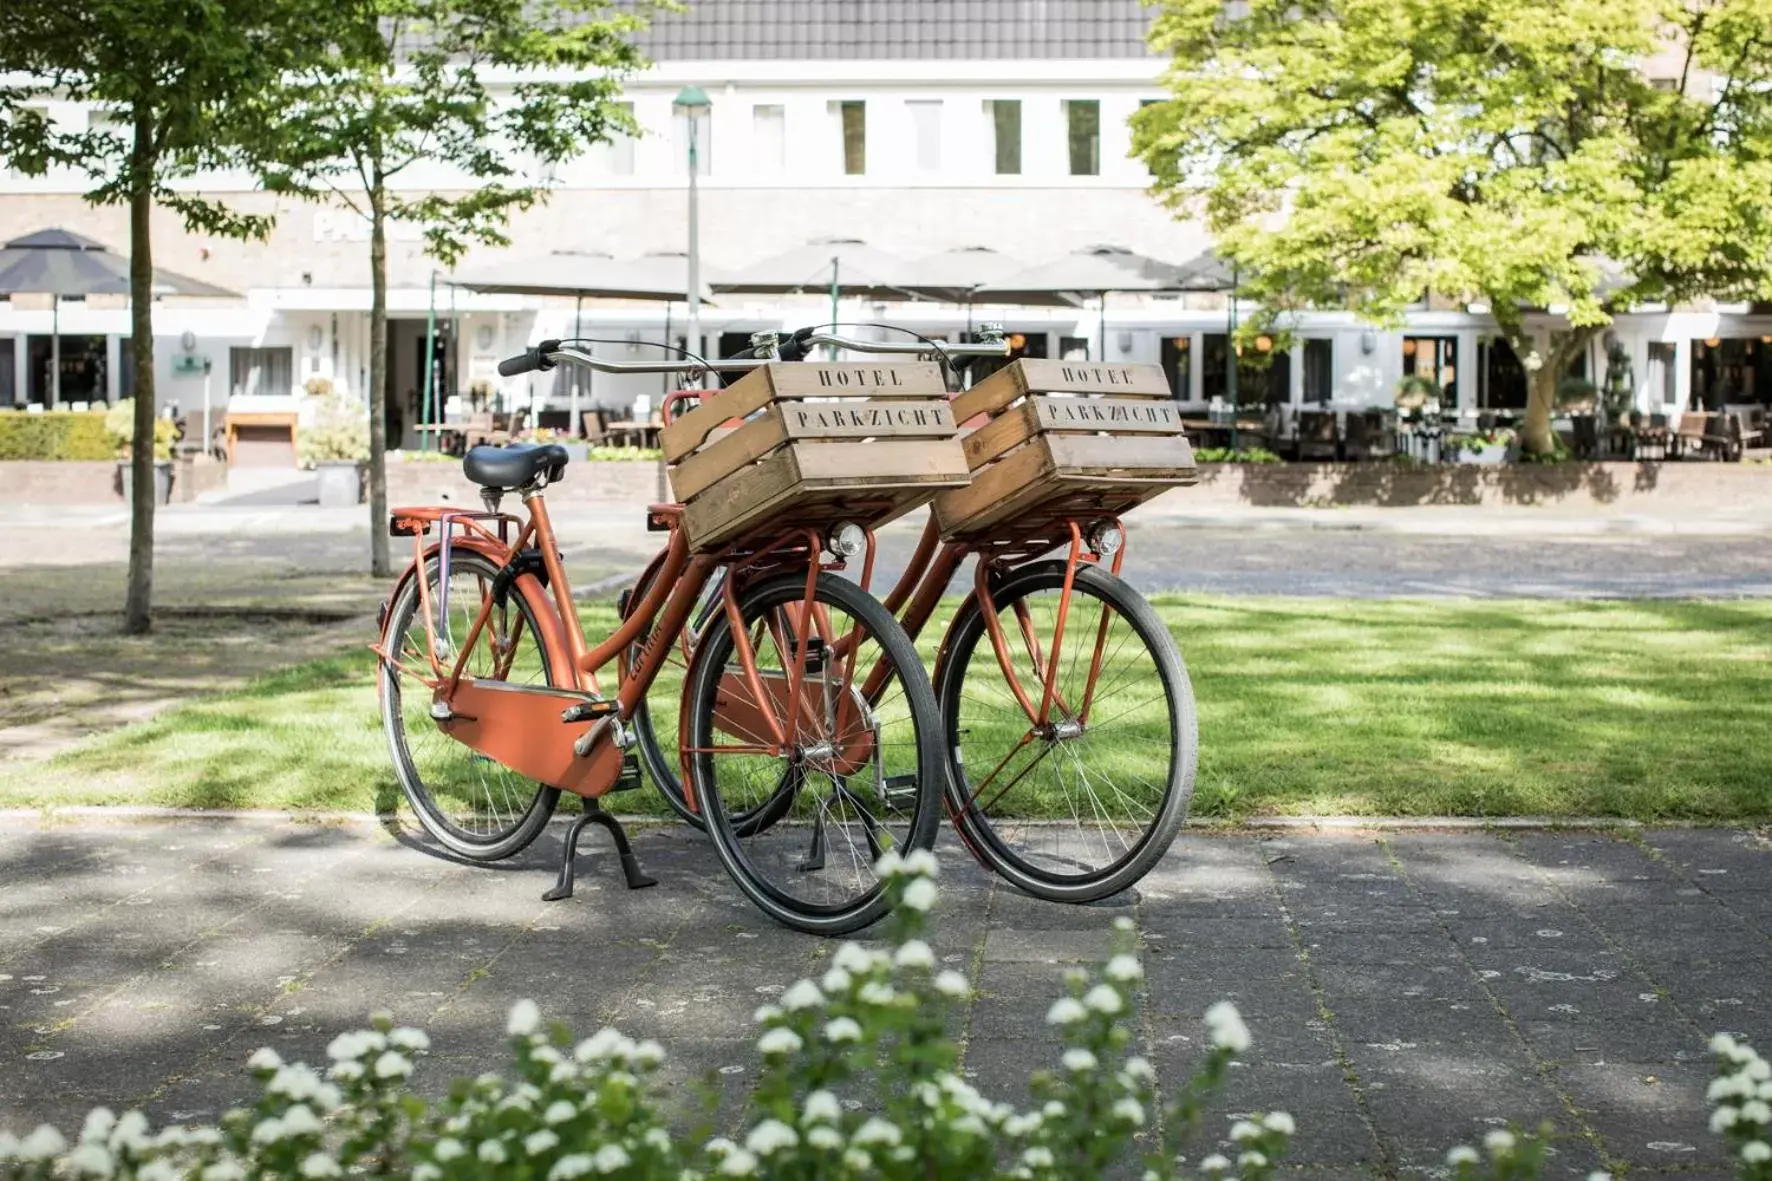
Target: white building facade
point(930, 125)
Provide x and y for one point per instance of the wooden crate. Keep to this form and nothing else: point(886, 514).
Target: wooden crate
point(813, 444)
point(1053, 441)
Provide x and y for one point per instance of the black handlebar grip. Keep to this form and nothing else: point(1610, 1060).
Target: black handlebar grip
point(530, 361)
point(794, 347)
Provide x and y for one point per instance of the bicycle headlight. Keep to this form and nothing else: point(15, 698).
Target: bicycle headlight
point(1106, 538)
point(846, 539)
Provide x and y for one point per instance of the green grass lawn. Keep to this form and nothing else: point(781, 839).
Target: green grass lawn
point(1648, 710)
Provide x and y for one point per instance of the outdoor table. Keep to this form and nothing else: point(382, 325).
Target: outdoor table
point(646, 433)
point(1210, 433)
point(449, 435)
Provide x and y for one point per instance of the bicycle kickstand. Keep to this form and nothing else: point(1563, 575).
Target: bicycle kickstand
point(630, 865)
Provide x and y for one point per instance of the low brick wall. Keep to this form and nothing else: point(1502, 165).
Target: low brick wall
point(431, 481)
point(1738, 487)
point(27, 481)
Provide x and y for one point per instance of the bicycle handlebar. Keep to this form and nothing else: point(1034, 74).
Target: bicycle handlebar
point(549, 353)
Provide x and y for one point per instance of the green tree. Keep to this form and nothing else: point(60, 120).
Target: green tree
point(496, 91)
point(189, 84)
point(1559, 160)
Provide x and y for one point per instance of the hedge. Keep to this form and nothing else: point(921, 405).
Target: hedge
point(55, 434)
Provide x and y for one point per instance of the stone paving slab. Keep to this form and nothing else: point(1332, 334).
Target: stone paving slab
point(1406, 990)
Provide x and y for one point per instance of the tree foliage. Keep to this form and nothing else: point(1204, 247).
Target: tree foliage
point(448, 115)
point(189, 86)
point(1581, 156)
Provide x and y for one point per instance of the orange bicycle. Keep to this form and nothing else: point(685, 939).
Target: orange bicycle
point(806, 700)
point(1068, 717)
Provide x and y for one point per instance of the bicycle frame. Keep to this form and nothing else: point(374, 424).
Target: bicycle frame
point(523, 727)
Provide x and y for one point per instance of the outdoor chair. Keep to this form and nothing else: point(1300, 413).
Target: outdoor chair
point(477, 429)
point(1691, 436)
point(1367, 437)
point(594, 425)
point(1725, 438)
point(1584, 432)
point(1317, 435)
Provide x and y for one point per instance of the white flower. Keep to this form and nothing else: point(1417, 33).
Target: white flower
point(1464, 1154)
point(890, 864)
point(91, 1160)
point(540, 1141)
point(843, 1029)
point(1037, 1157)
point(525, 1019)
point(825, 1138)
point(875, 993)
point(648, 1054)
point(131, 1130)
point(267, 1131)
point(1499, 1142)
point(1281, 1122)
point(1755, 1111)
point(300, 1121)
point(803, 995)
point(99, 1122)
point(1722, 1044)
point(1065, 1011)
point(1599, 1175)
point(765, 1014)
point(779, 1041)
point(770, 1136)
point(1078, 1060)
point(1245, 1130)
point(836, 981)
point(264, 1058)
point(857, 1161)
point(1759, 1070)
point(448, 1148)
point(922, 863)
point(1021, 1125)
point(347, 1071)
point(658, 1138)
point(318, 1164)
point(611, 1157)
point(568, 1167)
point(558, 1112)
point(1053, 1109)
point(425, 1171)
point(492, 1152)
point(877, 1131)
point(225, 1170)
point(1103, 999)
point(952, 983)
point(821, 1107)
point(915, 954)
point(1130, 1110)
point(347, 1047)
point(738, 1163)
point(1226, 1027)
point(1216, 1163)
point(157, 1170)
point(407, 1038)
point(1140, 1069)
point(920, 894)
point(1723, 1117)
point(605, 1045)
point(1252, 1160)
point(1124, 969)
point(1756, 1152)
point(853, 958)
point(1123, 923)
point(392, 1065)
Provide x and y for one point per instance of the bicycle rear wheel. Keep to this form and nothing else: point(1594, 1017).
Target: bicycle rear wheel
point(472, 806)
point(857, 775)
point(1083, 806)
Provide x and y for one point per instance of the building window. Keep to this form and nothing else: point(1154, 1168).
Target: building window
point(261, 372)
point(1005, 114)
point(1319, 370)
point(704, 142)
point(852, 118)
point(1073, 348)
point(926, 129)
point(1083, 121)
point(614, 156)
point(769, 138)
point(1434, 358)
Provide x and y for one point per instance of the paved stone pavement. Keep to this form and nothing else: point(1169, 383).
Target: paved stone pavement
point(1406, 990)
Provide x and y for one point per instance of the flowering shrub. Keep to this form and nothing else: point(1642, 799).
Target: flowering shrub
point(1742, 1093)
point(858, 1079)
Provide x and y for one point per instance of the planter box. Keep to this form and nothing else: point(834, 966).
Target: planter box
point(162, 481)
point(341, 482)
point(1485, 455)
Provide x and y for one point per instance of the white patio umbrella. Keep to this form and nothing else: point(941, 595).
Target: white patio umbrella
point(1093, 270)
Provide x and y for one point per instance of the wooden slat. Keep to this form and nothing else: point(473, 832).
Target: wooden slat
point(811, 379)
point(1041, 376)
point(1023, 477)
point(741, 399)
point(920, 461)
point(1135, 457)
point(1116, 416)
point(867, 419)
point(723, 456)
point(1001, 434)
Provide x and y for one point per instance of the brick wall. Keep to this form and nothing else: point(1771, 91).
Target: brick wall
point(585, 483)
point(24, 481)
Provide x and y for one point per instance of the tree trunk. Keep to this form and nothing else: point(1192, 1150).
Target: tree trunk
point(379, 564)
point(138, 608)
point(1536, 434)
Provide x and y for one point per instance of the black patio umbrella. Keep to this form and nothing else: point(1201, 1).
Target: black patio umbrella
point(59, 263)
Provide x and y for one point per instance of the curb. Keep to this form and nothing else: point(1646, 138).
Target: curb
point(1274, 823)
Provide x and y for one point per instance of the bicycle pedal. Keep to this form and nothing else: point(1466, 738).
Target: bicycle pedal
point(630, 778)
point(588, 711)
point(899, 790)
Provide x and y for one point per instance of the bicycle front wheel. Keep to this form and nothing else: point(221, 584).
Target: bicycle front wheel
point(856, 770)
point(1081, 804)
point(473, 806)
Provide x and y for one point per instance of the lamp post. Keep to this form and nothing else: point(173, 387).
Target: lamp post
point(1230, 374)
point(693, 105)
